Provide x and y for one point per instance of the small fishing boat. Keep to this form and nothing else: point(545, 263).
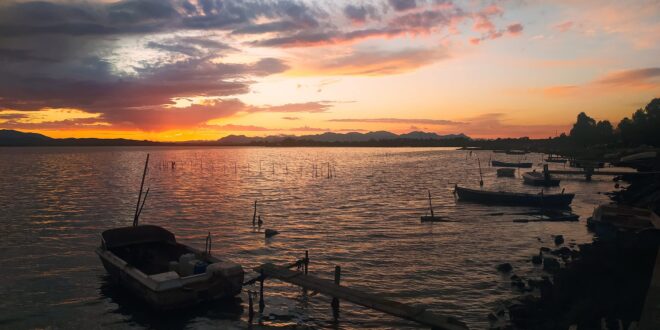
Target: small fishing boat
point(432, 217)
point(586, 164)
point(516, 152)
point(556, 160)
point(505, 164)
point(514, 199)
point(539, 179)
point(639, 156)
point(149, 262)
point(506, 172)
point(611, 220)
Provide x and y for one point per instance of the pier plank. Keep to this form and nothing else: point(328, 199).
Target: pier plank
point(650, 318)
point(370, 300)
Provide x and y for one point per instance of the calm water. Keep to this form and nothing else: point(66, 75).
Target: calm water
point(54, 202)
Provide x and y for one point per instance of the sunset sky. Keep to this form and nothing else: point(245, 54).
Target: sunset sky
point(175, 70)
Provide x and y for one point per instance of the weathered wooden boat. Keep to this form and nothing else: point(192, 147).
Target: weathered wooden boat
point(639, 156)
point(506, 172)
point(505, 164)
point(556, 160)
point(550, 215)
point(622, 217)
point(586, 164)
point(516, 152)
point(149, 262)
point(514, 199)
point(539, 179)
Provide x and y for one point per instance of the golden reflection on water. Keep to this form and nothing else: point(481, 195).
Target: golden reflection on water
point(363, 215)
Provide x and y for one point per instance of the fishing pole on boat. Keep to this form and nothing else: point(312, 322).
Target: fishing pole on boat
point(144, 200)
point(137, 207)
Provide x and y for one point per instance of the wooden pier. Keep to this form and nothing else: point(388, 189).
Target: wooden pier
point(370, 300)
point(650, 318)
point(589, 172)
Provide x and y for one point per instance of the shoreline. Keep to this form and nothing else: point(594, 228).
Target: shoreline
point(602, 284)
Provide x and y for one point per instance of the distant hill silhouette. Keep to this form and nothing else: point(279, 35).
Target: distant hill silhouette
point(329, 137)
point(378, 138)
point(11, 138)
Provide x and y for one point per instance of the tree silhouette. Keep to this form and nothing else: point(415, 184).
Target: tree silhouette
point(644, 127)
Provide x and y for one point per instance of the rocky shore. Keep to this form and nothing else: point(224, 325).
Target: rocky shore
point(601, 285)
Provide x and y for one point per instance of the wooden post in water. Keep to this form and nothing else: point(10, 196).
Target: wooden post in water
point(481, 177)
point(306, 262)
point(254, 216)
point(335, 301)
point(262, 303)
point(430, 204)
point(251, 306)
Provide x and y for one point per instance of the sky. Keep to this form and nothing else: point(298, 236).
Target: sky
point(174, 70)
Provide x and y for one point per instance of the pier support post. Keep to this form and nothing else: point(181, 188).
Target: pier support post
point(335, 301)
point(306, 262)
point(588, 173)
point(251, 306)
point(262, 303)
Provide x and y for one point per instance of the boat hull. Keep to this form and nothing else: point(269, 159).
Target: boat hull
point(505, 164)
point(514, 199)
point(212, 288)
point(540, 180)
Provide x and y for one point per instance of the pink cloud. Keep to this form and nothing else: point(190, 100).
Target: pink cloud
point(564, 26)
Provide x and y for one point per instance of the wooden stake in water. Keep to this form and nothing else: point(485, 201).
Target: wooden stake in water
point(430, 204)
point(137, 207)
point(254, 216)
point(481, 177)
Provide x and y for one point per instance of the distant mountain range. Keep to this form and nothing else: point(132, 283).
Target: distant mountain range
point(378, 138)
point(10, 138)
point(329, 137)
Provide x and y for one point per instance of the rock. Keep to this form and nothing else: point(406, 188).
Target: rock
point(537, 260)
point(271, 232)
point(505, 267)
point(559, 239)
point(545, 249)
point(550, 264)
point(515, 277)
point(518, 284)
point(492, 317)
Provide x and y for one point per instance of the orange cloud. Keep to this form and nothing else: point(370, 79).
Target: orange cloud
point(635, 79)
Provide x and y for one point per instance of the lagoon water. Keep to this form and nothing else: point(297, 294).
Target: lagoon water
point(54, 202)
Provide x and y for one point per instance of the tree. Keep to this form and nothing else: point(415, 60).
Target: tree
point(644, 127)
point(583, 130)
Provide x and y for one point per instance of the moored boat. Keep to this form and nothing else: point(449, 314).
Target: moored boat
point(514, 199)
point(505, 164)
point(149, 262)
point(540, 179)
point(506, 172)
point(556, 160)
point(623, 217)
point(516, 152)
